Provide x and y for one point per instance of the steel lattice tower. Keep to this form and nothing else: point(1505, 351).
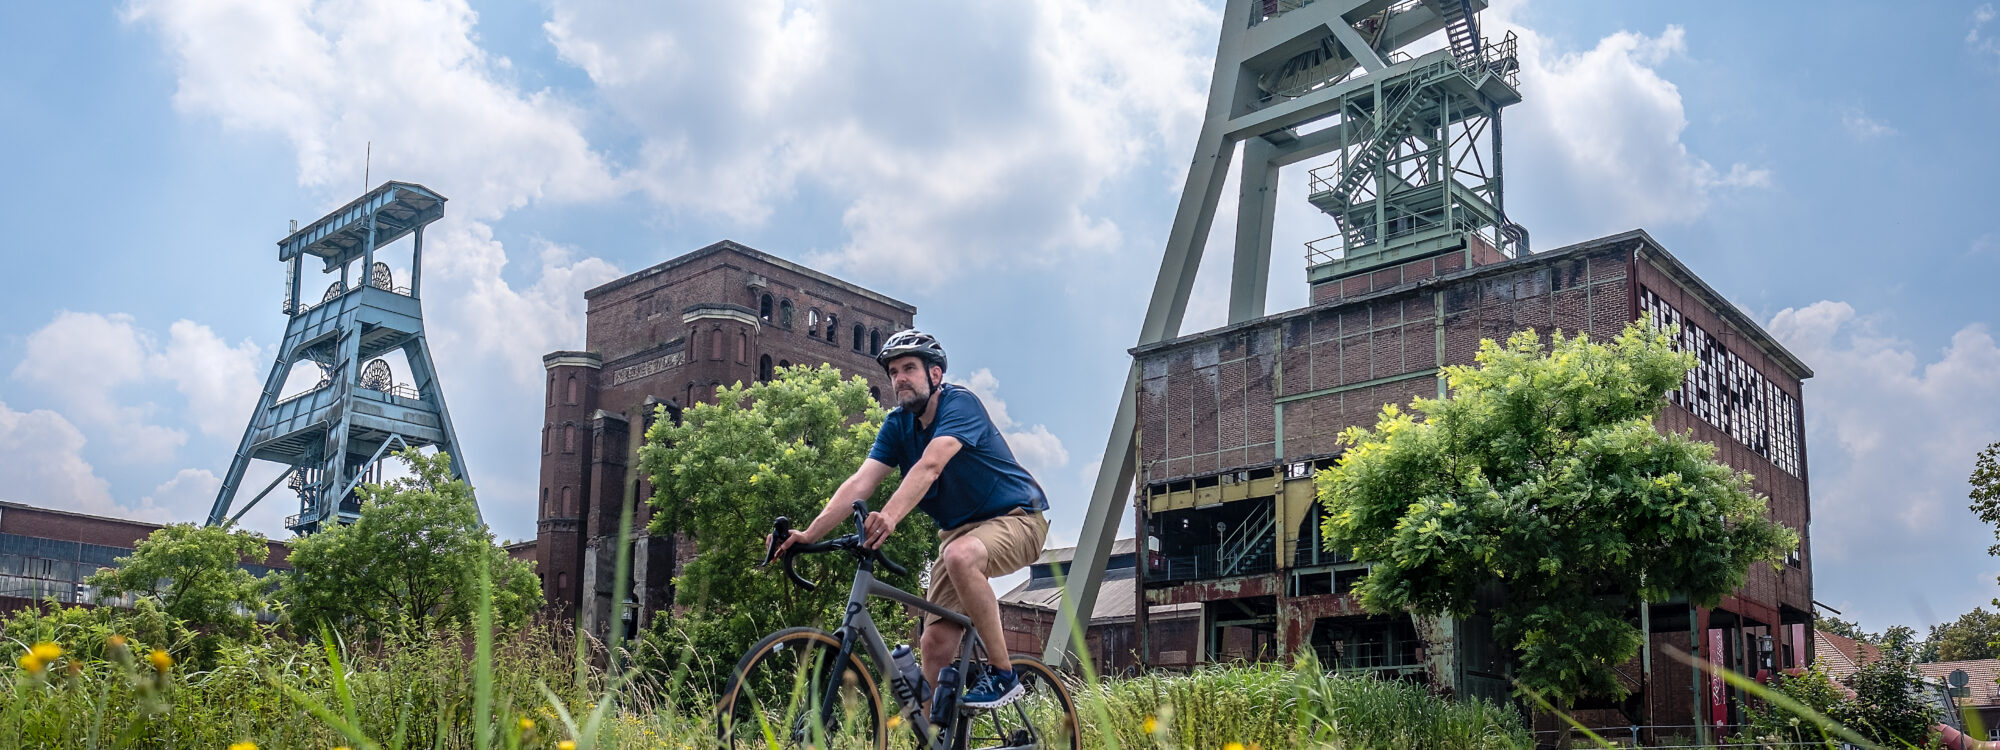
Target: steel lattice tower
point(1415, 143)
point(336, 434)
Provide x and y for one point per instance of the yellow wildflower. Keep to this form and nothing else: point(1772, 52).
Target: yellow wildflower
point(32, 664)
point(526, 724)
point(1233, 746)
point(243, 746)
point(116, 641)
point(46, 651)
point(566, 745)
point(162, 661)
point(895, 721)
point(1151, 724)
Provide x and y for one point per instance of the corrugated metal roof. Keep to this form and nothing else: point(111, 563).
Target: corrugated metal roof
point(1115, 597)
point(1066, 554)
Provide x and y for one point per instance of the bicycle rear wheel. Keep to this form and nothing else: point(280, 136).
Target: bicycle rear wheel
point(775, 696)
point(1043, 718)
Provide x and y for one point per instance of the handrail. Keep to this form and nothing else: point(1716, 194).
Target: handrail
point(1243, 540)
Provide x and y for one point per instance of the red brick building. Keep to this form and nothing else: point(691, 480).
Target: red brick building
point(1233, 423)
point(48, 553)
point(671, 335)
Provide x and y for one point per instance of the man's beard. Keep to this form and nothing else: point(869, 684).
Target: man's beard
point(911, 401)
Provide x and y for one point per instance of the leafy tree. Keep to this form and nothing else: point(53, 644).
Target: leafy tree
point(407, 563)
point(1971, 636)
point(761, 451)
point(1899, 642)
point(1543, 472)
point(1889, 705)
point(195, 573)
point(1772, 724)
point(1985, 494)
point(1848, 628)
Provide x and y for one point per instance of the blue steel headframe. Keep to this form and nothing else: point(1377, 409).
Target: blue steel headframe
point(334, 436)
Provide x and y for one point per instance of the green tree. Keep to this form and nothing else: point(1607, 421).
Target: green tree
point(1899, 642)
point(1543, 472)
point(761, 451)
point(1985, 494)
point(195, 573)
point(1772, 724)
point(1971, 636)
point(409, 561)
point(1848, 628)
point(1890, 704)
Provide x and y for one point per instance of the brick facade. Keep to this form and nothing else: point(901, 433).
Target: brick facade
point(48, 553)
point(671, 335)
point(1234, 421)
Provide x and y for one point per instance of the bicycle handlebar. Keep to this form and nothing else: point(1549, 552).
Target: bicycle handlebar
point(781, 529)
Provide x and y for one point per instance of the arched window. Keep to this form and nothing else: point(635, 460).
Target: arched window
point(562, 583)
point(552, 389)
point(857, 336)
point(764, 368)
point(569, 439)
point(689, 400)
point(782, 364)
point(742, 347)
point(715, 343)
point(545, 440)
point(812, 322)
point(574, 391)
point(545, 502)
point(832, 328)
point(785, 314)
point(874, 341)
point(875, 393)
point(764, 308)
point(568, 503)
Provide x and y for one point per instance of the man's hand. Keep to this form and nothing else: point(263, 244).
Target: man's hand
point(879, 527)
point(796, 537)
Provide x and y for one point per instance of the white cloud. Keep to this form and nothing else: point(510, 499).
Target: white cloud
point(45, 467)
point(87, 361)
point(188, 494)
point(1976, 37)
point(220, 381)
point(1862, 127)
point(1034, 446)
point(513, 326)
point(941, 167)
point(1891, 436)
point(1597, 136)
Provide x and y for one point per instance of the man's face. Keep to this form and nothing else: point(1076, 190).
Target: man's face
point(911, 381)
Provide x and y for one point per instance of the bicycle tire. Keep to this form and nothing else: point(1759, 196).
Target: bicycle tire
point(801, 657)
point(1046, 713)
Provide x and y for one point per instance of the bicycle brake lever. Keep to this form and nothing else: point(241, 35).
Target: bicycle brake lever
point(781, 529)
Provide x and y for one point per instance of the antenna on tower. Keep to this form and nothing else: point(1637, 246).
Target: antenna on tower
point(367, 160)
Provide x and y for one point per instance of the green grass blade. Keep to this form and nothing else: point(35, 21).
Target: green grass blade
point(339, 676)
point(482, 662)
point(321, 712)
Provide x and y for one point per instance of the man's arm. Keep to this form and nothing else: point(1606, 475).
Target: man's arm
point(859, 485)
point(911, 491)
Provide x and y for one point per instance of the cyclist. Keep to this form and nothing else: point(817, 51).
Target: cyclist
point(957, 467)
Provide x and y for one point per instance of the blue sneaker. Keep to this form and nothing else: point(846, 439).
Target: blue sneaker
point(993, 690)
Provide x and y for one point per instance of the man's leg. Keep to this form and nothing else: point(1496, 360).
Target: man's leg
point(965, 559)
point(940, 647)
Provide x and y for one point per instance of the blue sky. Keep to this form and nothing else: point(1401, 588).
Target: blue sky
point(1013, 177)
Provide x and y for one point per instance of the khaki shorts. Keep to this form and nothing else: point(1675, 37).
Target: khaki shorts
point(1013, 541)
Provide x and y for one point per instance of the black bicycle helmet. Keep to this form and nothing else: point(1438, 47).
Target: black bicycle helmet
point(912, 342)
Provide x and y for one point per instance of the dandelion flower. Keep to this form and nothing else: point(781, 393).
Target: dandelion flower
point(46, 651)
point(116, 641)
point(526, 724)
point(895, 721)
point(566, 745)
point(243, 746)
point(162, 661)
point(32, 664)
point(1233, 746)
point(1151, 724)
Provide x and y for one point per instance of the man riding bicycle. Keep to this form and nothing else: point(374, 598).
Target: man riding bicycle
point(956, 467)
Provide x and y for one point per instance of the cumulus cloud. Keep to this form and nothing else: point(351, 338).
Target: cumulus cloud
point(1862, 127)
point(1976, 37)
point(91, 361)
point(188, 494)
point(1034, 446)
point(1891, 434)
point(941, 167)
point(1598, 132)
point(45, 467)
point(515, 325)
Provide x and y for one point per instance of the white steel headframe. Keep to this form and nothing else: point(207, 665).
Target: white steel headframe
point(1279, 65)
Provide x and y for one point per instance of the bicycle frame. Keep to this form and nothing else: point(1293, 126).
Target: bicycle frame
point(859, 625)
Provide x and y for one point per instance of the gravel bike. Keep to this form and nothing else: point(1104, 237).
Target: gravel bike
point(804, 687)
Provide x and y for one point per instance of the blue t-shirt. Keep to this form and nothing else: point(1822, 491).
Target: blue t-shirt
point(982, 481)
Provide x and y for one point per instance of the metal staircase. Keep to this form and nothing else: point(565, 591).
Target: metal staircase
point(1462, 27)
point(1390, 130)
point(1247, 550)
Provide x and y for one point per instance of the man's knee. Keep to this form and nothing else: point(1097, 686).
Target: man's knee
point(939, 639)
point(967, 556)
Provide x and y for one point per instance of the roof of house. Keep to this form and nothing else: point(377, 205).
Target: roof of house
point(1843, 656)
point(1066, 554)
point(1982, 678)
point(1115, 597)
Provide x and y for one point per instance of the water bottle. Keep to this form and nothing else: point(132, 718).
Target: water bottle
point(944, 703)
point(913, 675)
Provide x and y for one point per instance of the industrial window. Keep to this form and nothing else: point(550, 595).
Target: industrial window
point(785, 314)
point(572, 390)
point(858, 332)
point(784, 363)
point(874, 341)
point(812, 322)
point(832, 327)
point(1724, 391)
point(764, 369)
point(569, 438)
point(764, 308)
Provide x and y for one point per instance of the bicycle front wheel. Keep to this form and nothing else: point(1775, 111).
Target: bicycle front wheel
point(777, 697)
point(1043, 718)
